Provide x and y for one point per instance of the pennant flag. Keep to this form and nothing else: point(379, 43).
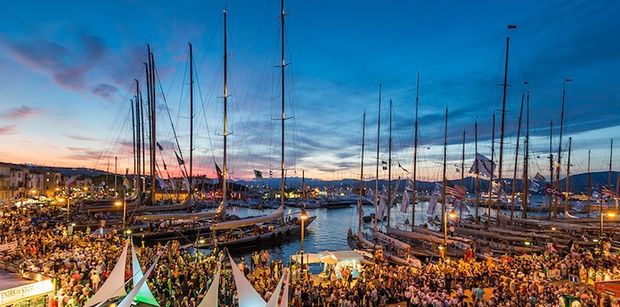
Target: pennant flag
point(534, 186)
point(432, 204)
point(258, 174)
point(550, 190)
point(510, 27)
point(165, 166)
point(608, 193)
point(401, 167)
point(159, 146)
point(383, 162)
point(483, 166)
point(270, 173)
point(539, 177)
point(71, 181)
point(179, 160)
point(385, 168)
point(220, 175)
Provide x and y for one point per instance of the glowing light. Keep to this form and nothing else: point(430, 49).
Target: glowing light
point(527, 243)
point(118, 203)
point(611, 214)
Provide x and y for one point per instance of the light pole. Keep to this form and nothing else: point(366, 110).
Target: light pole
point(610, 215)
point(303, 216)
point(444, 247)
point(124, 204)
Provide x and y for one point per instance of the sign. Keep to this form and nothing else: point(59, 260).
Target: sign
point(22, 292)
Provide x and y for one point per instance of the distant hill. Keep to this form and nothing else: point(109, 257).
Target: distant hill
point(578, 182)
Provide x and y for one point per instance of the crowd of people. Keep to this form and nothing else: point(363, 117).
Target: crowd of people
point(80, 262)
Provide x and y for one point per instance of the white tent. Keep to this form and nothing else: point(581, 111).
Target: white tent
point(211, 299)
point(248, 297)
point(138, 285)
point(144, 294)
point(114, 285)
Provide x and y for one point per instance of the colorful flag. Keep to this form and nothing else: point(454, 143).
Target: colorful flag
point(483, 166)
point(608, 193)
point(179, 160)
point(458, 192)
point(550, 190)
point(539, 177)
point(258, 174)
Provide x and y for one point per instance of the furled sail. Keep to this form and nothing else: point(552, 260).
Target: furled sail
point(278, 214)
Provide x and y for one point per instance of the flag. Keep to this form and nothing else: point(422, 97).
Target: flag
point(406, 196)
point(385, 168)
point(383, 162)
point(539, 177)
point(71, 181)
point(534, 186)
point(162, 183)
point(179, 160)
point(165, 167)
point(483, 166)
point(406, 171)
point(510, 27)
point(432, 204)
point(458, 192)
point(159, 146)
point(258, 174)
point(553, 191)
point(460, 206)
point(380, 213)
point(220, 175)
point(608, 193)
point(270, 173)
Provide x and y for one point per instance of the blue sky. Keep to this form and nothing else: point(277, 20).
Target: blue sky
point(67, 70)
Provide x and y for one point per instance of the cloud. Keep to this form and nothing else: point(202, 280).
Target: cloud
point(105, 91)
point(67, 65)
point(21, 112)
point(81, 137)
point(5, 130)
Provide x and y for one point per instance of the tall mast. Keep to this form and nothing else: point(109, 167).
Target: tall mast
point(611, 155)
point(503, 123)
point(133, 144)
point(557, 173)
point(514, 173)
point(589, 185)
point(378, 142)
point(445, 181)
point(415, 152)
point(526, 160)
point(570, 139)
point(303, 184)
point(492, 170)
point(462, 174)
point(477, 169)
point(361, 200)
point(138, 119)
point(389, 191)
point(551, 197)
point(153, 104)
point(143, 141)
point(282, 93)
point(191, 121)
point(225, 124)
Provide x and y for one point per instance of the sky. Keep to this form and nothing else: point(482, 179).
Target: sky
point(67, 75)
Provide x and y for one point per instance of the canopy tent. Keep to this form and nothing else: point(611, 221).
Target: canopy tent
point(278, 214)
point(138, 285)
point(144, 294)
point(329, 257)
point(114, 285)
point(211, 299)
point(248, 297)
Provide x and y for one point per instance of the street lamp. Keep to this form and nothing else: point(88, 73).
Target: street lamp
point(303, 216)
point(610, 215)
point(444, 248)
point(123, 203)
